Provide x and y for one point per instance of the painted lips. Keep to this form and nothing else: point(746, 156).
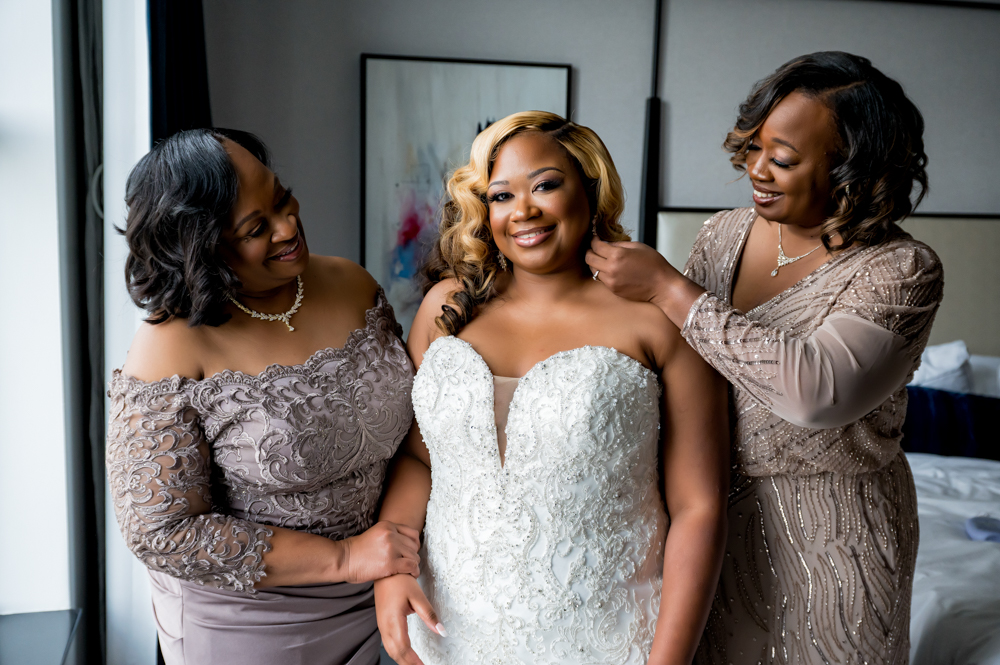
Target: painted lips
point(532, 237)
point(765, 198)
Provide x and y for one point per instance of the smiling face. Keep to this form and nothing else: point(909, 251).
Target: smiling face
point(539, 212)
point(263, 243)
point(789, 162)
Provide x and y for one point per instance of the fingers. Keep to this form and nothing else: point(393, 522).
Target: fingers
point(599, 247)
point(407, 531)
point(422, 606)
point(595, 261)
point(407, 564)
point(408, 657)
point(396, 640)
point(395, 598)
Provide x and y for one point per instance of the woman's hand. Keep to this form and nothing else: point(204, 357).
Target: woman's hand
point(384, 550)
point(396, 598)
point(635, 271)
point(631, 270)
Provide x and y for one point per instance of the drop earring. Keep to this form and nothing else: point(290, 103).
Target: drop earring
point(503, 260)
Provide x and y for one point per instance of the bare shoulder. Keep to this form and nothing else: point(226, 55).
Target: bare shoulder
point(647, 325)
point(344, 277)
point(425, 328)
point(657, 332)
point(165, 349)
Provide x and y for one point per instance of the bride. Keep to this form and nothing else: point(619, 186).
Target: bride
point(548, 410)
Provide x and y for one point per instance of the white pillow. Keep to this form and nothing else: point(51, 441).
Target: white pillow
point(945, 367)
point(985, 375)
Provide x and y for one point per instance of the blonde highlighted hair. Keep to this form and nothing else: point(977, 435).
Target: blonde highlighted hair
point(465, 250)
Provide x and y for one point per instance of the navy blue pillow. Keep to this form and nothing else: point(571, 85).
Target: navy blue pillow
point(947, 423)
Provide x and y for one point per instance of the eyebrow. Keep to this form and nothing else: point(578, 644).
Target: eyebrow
point(532, 174)
point(253, 214)
point(786, 144)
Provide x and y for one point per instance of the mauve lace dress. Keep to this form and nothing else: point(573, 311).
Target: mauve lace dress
point(822, 512)
point(200, 469)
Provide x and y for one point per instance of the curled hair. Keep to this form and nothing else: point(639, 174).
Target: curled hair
point(465, 249)
point(880, 156)
point(180, 196)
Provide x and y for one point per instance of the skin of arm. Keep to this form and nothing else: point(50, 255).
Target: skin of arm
point(296, 557)
point(408, 490)
point(695, 456)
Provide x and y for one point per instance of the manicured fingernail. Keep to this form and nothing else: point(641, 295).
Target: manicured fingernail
point(440, 630)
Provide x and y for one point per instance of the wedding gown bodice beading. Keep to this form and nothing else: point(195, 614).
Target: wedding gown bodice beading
point(554, 555)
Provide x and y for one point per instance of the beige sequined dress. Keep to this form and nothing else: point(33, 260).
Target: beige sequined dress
point(823, 516)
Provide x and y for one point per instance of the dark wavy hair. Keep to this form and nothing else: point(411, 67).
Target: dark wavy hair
point(180, 196)
point(881, 154)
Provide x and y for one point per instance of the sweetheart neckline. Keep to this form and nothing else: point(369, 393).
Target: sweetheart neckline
point(502, 464)
point(596, 347)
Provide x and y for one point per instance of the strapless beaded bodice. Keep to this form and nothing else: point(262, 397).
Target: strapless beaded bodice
point(555, 556)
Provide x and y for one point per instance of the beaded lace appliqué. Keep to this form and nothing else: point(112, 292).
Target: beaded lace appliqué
point(556, 556)
point(303, 447)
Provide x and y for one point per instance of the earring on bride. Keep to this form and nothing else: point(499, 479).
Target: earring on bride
point(503, 260)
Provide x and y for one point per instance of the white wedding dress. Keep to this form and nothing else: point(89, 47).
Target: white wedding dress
point(555, 556)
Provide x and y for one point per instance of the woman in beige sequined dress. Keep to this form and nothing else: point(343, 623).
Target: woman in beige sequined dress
point(815, 306)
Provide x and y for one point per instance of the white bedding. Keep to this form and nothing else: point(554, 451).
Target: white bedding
point(956, 588)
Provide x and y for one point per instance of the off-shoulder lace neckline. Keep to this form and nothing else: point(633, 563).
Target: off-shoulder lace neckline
point(274, 370)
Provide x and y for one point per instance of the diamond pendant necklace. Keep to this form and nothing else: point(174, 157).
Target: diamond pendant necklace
point(784, 260)
point(284, 318)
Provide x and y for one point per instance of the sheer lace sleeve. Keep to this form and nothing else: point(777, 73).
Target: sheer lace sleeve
point(158, 472)
point(863, 351)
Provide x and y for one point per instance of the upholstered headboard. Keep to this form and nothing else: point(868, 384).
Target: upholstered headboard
point(969, 250)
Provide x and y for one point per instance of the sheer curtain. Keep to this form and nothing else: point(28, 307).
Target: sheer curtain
point(131, 632)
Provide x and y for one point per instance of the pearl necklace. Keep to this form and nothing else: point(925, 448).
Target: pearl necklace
point(784, 260)
point(284, 318)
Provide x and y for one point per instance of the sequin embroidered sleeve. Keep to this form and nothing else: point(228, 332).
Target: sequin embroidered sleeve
point(865, 348)
point(158, 472)
point(697, 266)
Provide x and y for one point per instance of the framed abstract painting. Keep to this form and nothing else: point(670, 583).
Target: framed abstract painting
point(419, 117)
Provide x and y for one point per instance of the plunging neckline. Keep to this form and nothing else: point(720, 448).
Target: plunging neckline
point(502, 466)
point(738, 260)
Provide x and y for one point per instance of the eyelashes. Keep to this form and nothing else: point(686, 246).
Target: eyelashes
point(262, 224)
point(779, 164)
point(544, 186)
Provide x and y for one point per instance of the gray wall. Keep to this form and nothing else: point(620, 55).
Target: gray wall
point(290, 71)
point(946, 58)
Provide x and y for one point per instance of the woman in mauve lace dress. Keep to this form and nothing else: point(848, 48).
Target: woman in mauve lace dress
point(254, 418)
point(815, 306)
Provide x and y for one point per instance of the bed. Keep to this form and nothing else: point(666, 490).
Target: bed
point(955, 615)
point(951, 438)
